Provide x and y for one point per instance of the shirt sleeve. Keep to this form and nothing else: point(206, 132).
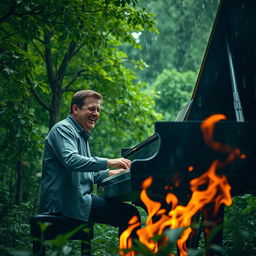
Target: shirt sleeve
point(64, 144)
point(100, 176)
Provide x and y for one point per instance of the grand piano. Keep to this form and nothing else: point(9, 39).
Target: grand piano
point(226, 84)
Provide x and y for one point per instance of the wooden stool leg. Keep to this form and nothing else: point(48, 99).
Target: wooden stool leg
point(38, 248)
point(86, 248)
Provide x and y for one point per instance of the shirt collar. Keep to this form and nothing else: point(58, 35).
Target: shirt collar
point(85, 133)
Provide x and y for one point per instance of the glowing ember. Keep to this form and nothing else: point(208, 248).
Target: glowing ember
point(217, 192)
point(191, 168)
point(243, 156)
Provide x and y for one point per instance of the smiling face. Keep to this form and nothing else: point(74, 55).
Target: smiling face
point(88, 115)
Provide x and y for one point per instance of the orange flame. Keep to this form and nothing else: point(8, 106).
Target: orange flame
point(126, 241)
point(217, 191)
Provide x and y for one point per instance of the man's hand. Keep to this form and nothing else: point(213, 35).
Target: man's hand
point(122, 163)
point(113, 172)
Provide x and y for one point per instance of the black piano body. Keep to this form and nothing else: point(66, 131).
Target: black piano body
point(226, 85)
point(228, 69)
point(177, 146)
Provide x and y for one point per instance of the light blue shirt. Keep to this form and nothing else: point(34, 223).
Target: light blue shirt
point(69, 171)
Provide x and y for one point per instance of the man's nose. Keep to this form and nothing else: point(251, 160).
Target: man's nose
point(95, 112)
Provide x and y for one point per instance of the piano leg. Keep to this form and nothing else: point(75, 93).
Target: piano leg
point(193, 241)
point(213, 228)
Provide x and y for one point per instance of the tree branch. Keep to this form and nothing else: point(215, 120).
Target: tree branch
point(48, 58)
point(56, 61)
point(40, 40)
point(41, 102)
point(76, 75)
point(12, 34)
point(38, 50)
point(66, 59)
point(78, 49)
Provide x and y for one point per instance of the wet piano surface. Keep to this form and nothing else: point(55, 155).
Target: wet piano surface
point(226, 84)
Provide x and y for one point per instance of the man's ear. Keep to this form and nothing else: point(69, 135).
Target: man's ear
point(75, 109)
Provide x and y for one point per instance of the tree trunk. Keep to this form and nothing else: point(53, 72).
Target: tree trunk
point(19, 175)
point(55, 105)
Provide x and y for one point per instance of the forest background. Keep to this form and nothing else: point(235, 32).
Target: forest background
point(143, 56)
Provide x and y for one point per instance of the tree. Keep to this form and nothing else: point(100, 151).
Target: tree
point(79, 42)
point(49, 49)
point(19, 136)
point(183, 33)
point(174, 90)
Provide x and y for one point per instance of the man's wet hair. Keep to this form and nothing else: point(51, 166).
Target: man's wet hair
point(80, 97)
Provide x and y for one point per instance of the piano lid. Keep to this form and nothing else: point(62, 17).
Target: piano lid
point(235, 24)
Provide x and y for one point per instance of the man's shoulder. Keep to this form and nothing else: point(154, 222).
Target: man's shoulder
point(63, 125)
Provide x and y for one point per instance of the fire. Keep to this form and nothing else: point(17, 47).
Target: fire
point(217, 192)
point(126, 241)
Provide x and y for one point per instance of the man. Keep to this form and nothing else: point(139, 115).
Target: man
point(69, 170)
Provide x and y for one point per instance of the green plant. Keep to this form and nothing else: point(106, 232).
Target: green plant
point(14, 227)
point(240, 226)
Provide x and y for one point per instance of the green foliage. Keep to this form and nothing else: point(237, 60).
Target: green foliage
point(105, 241)
point(183, 32)
point(240, 226)
point(14, 226)
point(50, 49)
point(80, 49)
point(20, 142)
point(20, 136)
point(174, 90)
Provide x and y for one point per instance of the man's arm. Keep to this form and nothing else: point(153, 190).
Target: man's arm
point(118, 162)
point(64, 144)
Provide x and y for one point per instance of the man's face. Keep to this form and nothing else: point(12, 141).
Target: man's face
point(89, 114)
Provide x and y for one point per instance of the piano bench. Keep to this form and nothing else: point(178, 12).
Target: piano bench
point(59, 225)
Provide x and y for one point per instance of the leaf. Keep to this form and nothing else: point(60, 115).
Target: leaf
point(44, 226)
point(9, 71)
point(61, 239)
point(174, 234)
point(66, 250)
